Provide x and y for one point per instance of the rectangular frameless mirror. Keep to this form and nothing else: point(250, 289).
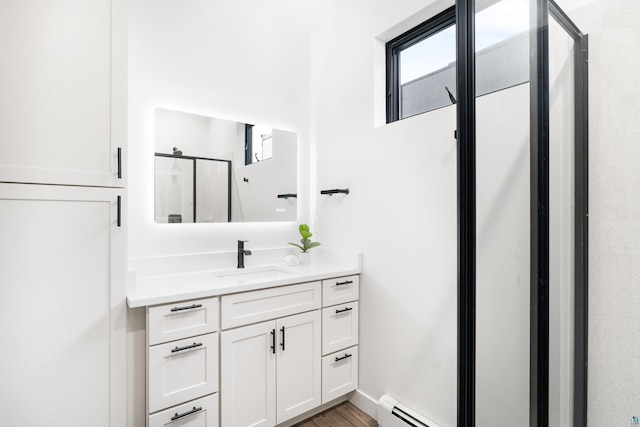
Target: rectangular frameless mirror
point(214, 170)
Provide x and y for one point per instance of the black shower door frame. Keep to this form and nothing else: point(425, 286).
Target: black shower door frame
point(466, 214)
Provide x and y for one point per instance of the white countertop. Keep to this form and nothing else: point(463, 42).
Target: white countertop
point(171, 287)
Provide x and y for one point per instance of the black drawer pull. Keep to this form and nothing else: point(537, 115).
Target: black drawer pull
point(273, 341)
point(344, 310)
point(193, 411)
point(346, 356)
point(346, 282)
point(119, 216)
point(189, 307)
point(119, 162)
point(194, 345)
point(282, 343)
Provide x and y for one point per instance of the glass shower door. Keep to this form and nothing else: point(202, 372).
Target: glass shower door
point(173, 187)
point(503, 217)
point(567, 221)
point(531, 180)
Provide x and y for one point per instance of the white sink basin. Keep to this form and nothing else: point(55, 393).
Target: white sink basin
point(255, 273)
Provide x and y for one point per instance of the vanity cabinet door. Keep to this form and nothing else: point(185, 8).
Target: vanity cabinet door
point(251, 356)
point(62, 80)
point(182, 370)
point(248, 376)
point(298, 370)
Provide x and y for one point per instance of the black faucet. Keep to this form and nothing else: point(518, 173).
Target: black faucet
point(241, 253)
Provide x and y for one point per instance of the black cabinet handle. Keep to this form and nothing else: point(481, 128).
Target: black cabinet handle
point(119, 162)
point(282, 343)
point(119, 218)
point(273, 341)
point(194, 345)
point(346, 356)
point(346, 282)
point(344, 310)
point(193, 411)
point(189, 307)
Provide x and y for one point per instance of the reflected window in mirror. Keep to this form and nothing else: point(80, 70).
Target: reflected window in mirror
point(258, 144)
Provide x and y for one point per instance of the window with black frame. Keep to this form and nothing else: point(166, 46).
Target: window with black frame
point(421, 63)
point(421, 73)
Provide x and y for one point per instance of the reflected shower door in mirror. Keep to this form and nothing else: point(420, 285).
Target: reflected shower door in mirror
point(192, 189)
point(210, 170)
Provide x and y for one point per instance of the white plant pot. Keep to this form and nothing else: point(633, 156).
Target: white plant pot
point(304, 257)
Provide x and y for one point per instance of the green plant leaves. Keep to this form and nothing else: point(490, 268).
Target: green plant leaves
point(304, 231)
point(313, 245)
point(306, 242)
point(297, 246)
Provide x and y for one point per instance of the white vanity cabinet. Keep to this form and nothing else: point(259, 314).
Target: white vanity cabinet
point(271, 370)
point(339, 336)
point(182, 363)
point(283, 351)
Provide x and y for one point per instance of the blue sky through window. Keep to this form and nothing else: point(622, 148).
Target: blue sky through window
point(494, 24)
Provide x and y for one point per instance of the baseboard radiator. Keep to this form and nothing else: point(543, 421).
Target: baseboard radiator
point(392, 413)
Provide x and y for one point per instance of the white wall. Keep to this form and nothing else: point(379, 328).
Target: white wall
point(401, 210)
point(243, 60)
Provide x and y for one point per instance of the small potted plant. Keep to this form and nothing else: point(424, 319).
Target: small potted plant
point(306, 245)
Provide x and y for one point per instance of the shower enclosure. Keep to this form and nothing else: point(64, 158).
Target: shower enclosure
point(192, 189)
point(522, 216)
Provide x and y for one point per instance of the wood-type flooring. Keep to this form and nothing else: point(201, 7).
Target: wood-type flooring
point(343, 415)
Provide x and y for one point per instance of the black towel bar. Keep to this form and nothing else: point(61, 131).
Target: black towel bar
point(336, 191)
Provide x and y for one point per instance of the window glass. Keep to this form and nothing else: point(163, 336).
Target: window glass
point(259, 144)
point(431, 54)
point(421, 62)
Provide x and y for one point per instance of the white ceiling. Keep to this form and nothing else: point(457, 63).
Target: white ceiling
point(306, 11)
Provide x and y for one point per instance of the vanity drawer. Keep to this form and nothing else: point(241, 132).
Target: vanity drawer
point(339, 373)
point(182, 370)
point(340, 290)
point(339, 327)
point(197, 413)
point(183, 319)
point(265, 304)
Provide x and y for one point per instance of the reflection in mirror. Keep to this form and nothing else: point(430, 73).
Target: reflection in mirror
point(212, 170)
